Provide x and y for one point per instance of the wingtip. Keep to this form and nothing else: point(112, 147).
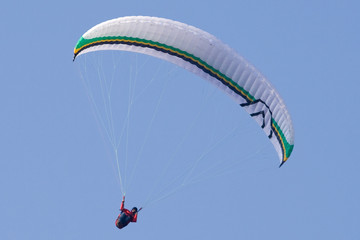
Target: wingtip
point(282, 163)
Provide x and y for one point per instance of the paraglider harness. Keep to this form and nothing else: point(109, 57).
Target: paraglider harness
point(123, 220)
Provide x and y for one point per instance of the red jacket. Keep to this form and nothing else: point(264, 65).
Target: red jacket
point(125, 217)
point(128, 213)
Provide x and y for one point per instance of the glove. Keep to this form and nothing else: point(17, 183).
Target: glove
point(123, 198)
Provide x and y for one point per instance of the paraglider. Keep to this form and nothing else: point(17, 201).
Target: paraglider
point(204, 55)
point(126, 216)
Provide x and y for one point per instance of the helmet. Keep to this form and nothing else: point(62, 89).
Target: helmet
point(134, 208)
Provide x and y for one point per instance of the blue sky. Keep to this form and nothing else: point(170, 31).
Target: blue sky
point(57, 177)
